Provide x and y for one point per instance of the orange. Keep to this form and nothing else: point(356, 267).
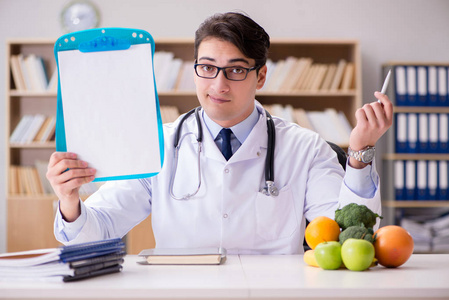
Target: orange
point(321, 229)
point(393, 246)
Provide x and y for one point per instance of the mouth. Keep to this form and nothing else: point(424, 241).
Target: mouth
point(218, 100)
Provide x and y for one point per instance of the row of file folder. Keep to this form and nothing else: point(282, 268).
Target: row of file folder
point(421, 85)
point(422, 132)
point(421, 180)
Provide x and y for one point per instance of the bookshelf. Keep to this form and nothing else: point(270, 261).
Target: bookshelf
point(36, 229)
point(415, 174)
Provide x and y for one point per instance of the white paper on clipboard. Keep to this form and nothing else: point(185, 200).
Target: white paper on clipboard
point(109, 108)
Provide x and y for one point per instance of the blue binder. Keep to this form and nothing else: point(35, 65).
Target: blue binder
point(106, 78)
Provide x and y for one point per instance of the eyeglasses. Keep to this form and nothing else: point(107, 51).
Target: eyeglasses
point(231, 73)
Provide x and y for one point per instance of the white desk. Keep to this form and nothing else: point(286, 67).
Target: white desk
point(250, 277)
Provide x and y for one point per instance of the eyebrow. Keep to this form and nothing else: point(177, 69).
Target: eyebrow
point(234, 60)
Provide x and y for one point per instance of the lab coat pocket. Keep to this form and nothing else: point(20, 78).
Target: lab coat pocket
point(276, 216)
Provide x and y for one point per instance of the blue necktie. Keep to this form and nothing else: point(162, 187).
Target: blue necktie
point(226, 143)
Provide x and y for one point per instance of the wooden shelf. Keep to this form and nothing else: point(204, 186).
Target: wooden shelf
point(51, 145)
point(415, 156)
point(349, 93)
point(421, 204)
point(421, 109)
point(16, 93)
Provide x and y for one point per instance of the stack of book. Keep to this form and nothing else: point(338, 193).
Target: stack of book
point(169, 113)
point(34, 128)
point(331, 125)
point(29, 74)
point(32, 181)
point(292, 74)
point(67, 263)
point(295, 74)
point(171, 73)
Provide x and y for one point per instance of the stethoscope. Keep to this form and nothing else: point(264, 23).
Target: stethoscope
point(270, 189)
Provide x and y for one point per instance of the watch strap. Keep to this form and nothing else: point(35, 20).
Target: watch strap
point(358, 155)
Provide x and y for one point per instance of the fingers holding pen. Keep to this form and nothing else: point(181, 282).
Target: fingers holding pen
point(383, 107)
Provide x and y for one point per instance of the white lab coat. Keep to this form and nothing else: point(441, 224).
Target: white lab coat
point(229, 209)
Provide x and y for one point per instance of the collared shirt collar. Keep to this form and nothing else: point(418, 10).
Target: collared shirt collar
point(240, 130)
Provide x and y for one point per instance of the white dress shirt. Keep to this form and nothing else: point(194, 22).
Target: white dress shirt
point(229, 210)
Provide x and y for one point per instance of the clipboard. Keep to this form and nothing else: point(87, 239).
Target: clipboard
point(107, 105)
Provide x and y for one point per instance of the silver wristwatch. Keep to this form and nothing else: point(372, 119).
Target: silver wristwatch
point(366, 155)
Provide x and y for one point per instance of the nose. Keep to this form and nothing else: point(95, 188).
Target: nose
point(221, 83)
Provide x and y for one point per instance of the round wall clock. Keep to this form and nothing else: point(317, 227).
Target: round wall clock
point(79, 15)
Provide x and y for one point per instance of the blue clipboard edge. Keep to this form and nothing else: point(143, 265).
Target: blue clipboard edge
point(104, 39)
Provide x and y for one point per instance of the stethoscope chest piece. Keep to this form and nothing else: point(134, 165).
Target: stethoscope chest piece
point(270, 189)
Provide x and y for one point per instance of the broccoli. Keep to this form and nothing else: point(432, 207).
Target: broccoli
point(355, 215)
point(356, 232)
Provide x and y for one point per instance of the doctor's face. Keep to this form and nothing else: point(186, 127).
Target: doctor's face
point(225, 101)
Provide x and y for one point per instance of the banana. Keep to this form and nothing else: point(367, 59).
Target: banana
point(309, 258)
point(374, 263)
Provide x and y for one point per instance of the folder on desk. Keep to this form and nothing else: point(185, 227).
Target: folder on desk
point(107, 107)
point(66, 263)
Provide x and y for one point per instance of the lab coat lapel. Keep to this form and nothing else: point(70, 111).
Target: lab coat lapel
point(250, 149)
point(254, 143)
point(210, 149)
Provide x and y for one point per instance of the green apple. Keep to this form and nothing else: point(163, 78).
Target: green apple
point(328, 255)
point(357, 254)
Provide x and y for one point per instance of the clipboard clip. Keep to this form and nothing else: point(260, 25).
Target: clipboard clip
point(104, 43)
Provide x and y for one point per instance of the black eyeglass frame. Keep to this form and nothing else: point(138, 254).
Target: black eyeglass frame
point(224, 71)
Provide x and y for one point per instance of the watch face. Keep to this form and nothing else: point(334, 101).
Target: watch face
point(79, 15)
point(368, 155)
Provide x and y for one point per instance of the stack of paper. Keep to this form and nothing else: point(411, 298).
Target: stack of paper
point(67, 263)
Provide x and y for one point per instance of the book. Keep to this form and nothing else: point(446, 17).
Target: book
point(328, 77)
point(183, 256)
point(21, 128)
point(336, 81)
point(17, 75)
point(185, 81)
point(300, 117)
point(348, 77)
point(305, 73)
point(319, 78)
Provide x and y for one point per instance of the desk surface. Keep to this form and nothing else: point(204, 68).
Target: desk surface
point(250, 277)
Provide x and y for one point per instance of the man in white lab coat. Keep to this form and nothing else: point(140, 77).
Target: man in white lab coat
point(229, 210)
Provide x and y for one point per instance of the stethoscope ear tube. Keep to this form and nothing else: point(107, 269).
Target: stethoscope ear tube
point(270, 189)
point(179, 129)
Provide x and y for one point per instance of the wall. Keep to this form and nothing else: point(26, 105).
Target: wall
point(405, 30)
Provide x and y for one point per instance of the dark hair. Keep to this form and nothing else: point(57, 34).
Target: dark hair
point(248, 36)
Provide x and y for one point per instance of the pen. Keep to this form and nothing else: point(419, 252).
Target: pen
point(385, 85)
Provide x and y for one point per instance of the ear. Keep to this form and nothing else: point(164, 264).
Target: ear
point(261, 77)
